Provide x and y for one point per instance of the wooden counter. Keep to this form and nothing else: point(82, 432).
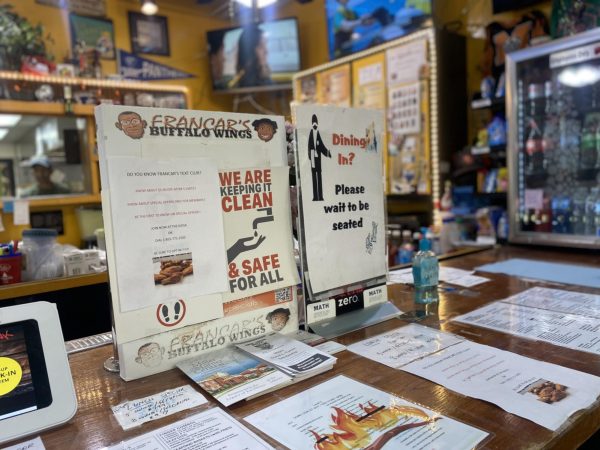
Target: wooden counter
point(94, 426)
point(27, 288)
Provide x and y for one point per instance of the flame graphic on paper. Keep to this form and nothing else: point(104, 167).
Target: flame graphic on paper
point(351, 431)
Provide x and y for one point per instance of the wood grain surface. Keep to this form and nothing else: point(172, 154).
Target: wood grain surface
point(94, 426)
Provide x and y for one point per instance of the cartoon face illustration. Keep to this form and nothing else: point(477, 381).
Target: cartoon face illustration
point(265, 128)
point(278, 318)
point(150, 355)
point(132, 124)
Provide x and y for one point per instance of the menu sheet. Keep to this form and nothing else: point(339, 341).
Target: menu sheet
point(210, 430)
point(343, 413)
point(403, 345)
point(544, 393)
point(565, 318)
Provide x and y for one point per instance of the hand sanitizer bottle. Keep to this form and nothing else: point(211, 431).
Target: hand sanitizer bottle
point(425, 266)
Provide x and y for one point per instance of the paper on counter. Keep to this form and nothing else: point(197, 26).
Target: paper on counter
point(523, 316)
point(300, 421)
point(210, 430)
point(307, 337)
point(136, 412)
point(403, 345)
point(33, 444)
point(450, 275)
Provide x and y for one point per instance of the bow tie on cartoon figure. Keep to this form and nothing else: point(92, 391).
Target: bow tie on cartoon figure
point(316, 148)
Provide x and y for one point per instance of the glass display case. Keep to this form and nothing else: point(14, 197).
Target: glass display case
point(553, 106)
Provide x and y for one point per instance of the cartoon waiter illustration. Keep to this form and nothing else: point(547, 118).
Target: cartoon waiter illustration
point(316, 148)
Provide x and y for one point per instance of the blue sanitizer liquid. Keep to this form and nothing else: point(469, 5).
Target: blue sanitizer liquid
point(425, 266)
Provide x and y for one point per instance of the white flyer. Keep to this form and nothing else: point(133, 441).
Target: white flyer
point(566, 330)
point(558, 300)
point(210, 430)
point(340, 160)
point(344, 413)
point(168, 227)
point(404, 62)
point(331, 347)
point(289, 355)
point(544, 393)
point(403, 345)
point(136, 412)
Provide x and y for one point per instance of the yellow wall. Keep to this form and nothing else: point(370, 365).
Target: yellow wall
point(188, 23)
point(70, 225)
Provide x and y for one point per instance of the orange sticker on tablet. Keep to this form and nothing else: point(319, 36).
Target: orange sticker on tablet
point(10, 375)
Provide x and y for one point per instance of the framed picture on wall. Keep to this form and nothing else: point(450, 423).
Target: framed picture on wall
point(7, 178)
point(92, 33)
point(149, 34)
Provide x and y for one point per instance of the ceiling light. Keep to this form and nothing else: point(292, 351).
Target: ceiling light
point(3, 132)
point(259, 3)
point(579, 76)
point(149, 7)
point(9, 120)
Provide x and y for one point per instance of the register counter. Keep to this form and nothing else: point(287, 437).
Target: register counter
point(94, 426)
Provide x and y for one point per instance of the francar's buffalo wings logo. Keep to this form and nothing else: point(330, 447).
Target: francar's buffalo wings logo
point(132, 124)
point(265, 129)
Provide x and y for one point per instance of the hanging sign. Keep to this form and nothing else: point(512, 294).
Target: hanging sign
point(135, 67)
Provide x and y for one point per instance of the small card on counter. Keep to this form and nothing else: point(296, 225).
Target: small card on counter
point(32, 444)
point(331, 347)
point(136, 412)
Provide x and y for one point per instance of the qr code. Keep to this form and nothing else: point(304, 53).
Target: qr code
point(283, 295)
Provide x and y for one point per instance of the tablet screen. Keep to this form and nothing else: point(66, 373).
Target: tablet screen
point(24, 384)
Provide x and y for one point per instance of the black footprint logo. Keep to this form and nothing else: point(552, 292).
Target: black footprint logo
point(177, 310)
point(165, 313)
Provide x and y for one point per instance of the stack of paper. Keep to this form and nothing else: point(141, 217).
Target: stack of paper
point(292, 357)
point(449, 275)
point(230, 375)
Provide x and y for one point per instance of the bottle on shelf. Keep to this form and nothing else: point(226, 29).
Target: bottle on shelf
point(407, 249)
point(449, 234)
point(578, 213)
point(394, 242)
point(591, 216)
point(535, 149)
point(587, 152)
point(425, 266)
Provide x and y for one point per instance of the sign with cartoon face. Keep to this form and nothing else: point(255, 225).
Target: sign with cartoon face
point(132, 124)
point(340, 159)
point(163, 274)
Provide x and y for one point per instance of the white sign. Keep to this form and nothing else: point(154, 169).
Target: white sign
point(340, 157)
point(170, 237)
point(574, 56)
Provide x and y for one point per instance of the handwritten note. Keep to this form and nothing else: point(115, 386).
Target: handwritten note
point(136, 412)
point(33, 444)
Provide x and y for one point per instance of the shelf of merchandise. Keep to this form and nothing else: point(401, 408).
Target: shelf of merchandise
point(93, 83)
